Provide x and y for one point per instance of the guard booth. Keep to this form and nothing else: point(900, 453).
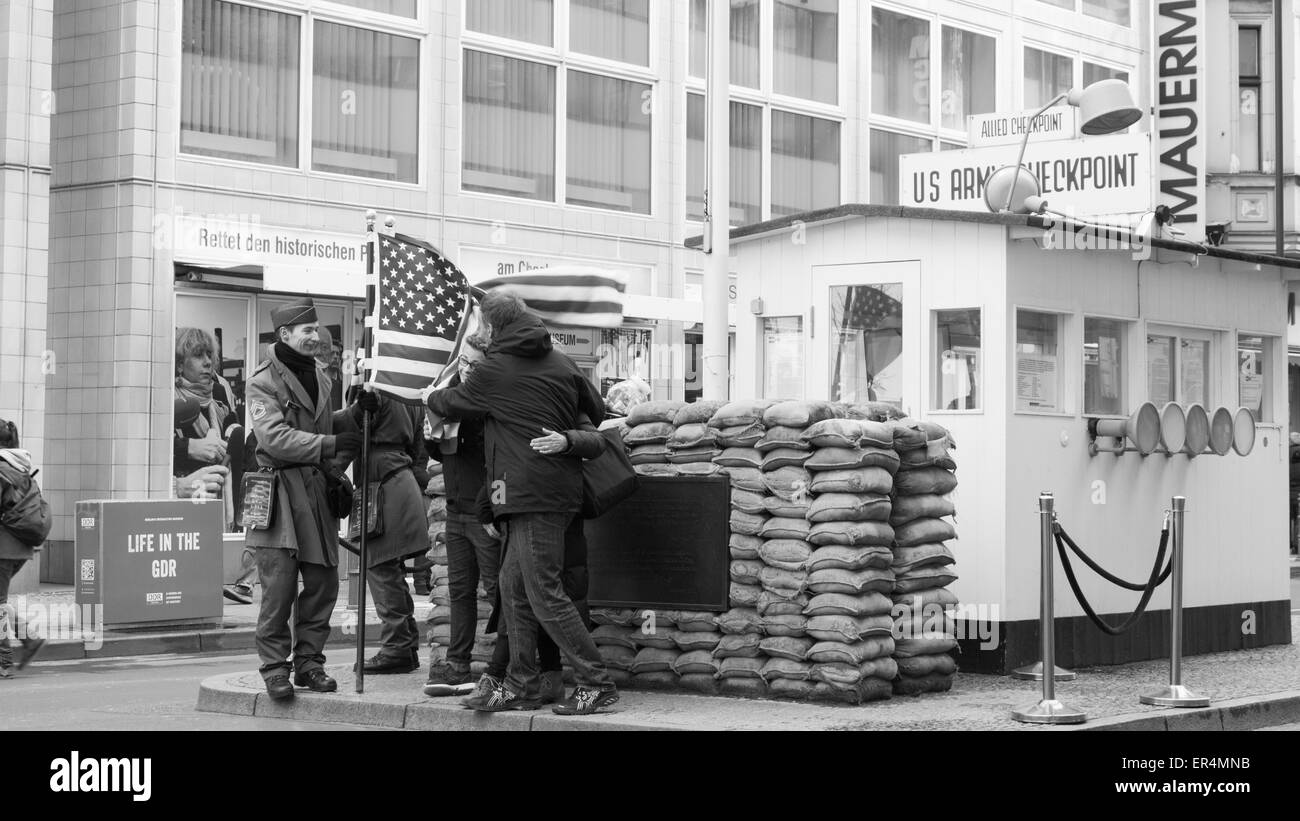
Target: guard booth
point(1019, 335)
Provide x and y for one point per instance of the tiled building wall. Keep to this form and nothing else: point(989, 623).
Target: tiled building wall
point(104, 318)
point(25, 34)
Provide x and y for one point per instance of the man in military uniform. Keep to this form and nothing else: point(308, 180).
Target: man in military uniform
point(288, 406)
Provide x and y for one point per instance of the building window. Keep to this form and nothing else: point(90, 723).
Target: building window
point(608, 143)
point(805, 163)
point(1254, 391)
point(1248, 82)
point(1112, 11)
point(805, 49)
point(509, 143)
point(1046, 75)
point(1104, 348)
point(744, 42)
point(613, 29)
point(866, 339)
point(1179, 366)
point(365, 103)
point(397, 8)
point(969, 76)
point(1093, 73)
point(886, 148)
point(957, 360)
point(900, 66)
point(1068, 5)
point(1038, 361)
point(746, 161)
point(239, 82)
point(531, 21)
point(783, 357)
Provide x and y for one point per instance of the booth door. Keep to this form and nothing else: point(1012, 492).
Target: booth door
point(864, 333)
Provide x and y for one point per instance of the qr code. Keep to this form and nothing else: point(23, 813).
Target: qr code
point(87, 570)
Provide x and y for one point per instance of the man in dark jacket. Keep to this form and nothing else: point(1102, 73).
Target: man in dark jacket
point(521, 387)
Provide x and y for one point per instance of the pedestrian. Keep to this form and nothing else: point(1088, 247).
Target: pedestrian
point(473, 555)
point(16, 485)
point(396, 472)
point(288, 396)
point(521, 387)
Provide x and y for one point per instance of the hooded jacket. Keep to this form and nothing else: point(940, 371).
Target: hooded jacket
point(18, 462)
point(520, 387)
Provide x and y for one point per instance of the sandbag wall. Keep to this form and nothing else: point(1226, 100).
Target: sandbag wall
point(814, 562)
point(439, 619)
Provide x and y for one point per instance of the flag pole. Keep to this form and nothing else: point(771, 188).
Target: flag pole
point(717, 202)
point(366, 341)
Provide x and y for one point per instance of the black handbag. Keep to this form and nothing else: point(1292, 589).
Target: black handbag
point(609, 478)
point(375, 513)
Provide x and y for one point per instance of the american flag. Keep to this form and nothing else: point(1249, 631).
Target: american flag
point(568, 294)
point(421, 303)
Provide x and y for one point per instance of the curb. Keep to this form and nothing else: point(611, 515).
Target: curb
point(1233, 715)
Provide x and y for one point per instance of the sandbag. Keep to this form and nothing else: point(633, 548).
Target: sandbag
point(740, 620)
point(924, 578)
point(695, 661)
point(780, 686)
point(694, 455)
point(657, 639)
point(621, 678)
point(925, 481)
point(781, 528)
point(875, 411)
point(829, 652)
point(849, 629)
point(621, 617)
point(751, 479)
point(857, 480)
point(703, 683)
point(925, 646)
point(437, 508)
point(834, 433)
point(933, 683)
point(649, 454)
point(740, 458)
point(697, 412)
point(616, 657)
point(788, 482)
point(741, 436)
point(784, 668)
point(785, 553)
point(653, 660)
point(747, 501)
point(850, 582)
point(924, 458)
point(655, 468)
point(930, 506)
point(869, 689)
point(848, 557)
point(794, 624)
point(848, 507)
point(689, 641)
point(652, 433)
point(609, 634)
point(778, 438)
point(693, 436)
point(744, 547)
point(740, 667)
point(743, 595)
point(797, 413)
point(907, 434)
point(747, 524)
point(843, 604)
point(659, 410)
point(740, 645)
point(787, 647)
point(781, 604)
point(941, 663)
point(824, 459)
point(787, 508)
point(918, 599)
point(697, 621)
point(745, 571)
point(742, 687)
point(788, 582)
point(700, 467)
point(857, 534)
point(840, 674)
point(921, 555)
point(784, 458)
point(922, 531)
point(740, 412)
point(659, 680)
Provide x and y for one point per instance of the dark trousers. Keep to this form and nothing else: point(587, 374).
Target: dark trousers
point(10, 619)
point(398, 635)
point(533, 600)
point(548, 655)
point(471, 555)
point(279, 570)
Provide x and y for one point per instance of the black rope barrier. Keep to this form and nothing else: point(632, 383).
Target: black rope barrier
point(1156, 578)
point(1101, 571)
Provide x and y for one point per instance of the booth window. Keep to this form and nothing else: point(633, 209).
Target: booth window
point(866, 338)
point(1038, 361)
point(783, 358)
point(1104, 350)
point(1179, 367)
point(957, 360)
point(1254, 391)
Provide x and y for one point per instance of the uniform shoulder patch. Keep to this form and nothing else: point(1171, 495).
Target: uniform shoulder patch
point(258, 408)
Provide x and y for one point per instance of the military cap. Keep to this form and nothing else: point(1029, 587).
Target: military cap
point(298, 312)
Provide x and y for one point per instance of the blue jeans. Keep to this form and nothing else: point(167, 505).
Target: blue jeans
point(471, 555)
point(533, 599)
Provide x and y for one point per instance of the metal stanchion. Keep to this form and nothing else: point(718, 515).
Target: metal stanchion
point(1034, 672)
point(1049, 710)
point(1176, 695)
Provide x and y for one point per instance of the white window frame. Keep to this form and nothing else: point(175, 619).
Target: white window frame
point(1214, 362)
point(1271, 343)
point(934, 366)
point(308, 12)
point(1069, 362)
point(563, 58)
point(1134, 330)
point(762, 348)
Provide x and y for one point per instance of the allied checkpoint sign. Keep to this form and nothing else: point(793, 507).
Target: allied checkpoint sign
point(150, 560)
point(1080, 178)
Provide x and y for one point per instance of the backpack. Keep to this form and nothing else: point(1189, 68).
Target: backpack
point(23, 510)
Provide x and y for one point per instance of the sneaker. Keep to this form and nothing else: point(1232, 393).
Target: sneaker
point(585, 701)
point(552, 687)
point(500, 698)
point(236, 595)
point(481, 690)
point(440, 672)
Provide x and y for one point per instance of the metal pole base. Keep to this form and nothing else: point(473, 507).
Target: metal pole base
point(1174, 695)
point(1034, 672)
point(1049, 712)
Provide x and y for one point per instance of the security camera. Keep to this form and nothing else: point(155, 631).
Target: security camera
point(1216, 233)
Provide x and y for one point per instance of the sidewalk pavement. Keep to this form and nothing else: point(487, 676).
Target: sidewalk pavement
point(1247, 689)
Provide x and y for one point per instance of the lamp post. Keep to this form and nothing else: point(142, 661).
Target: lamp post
point(1105, 107)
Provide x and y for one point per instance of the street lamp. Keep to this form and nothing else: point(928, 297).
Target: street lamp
point(1105, 107)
